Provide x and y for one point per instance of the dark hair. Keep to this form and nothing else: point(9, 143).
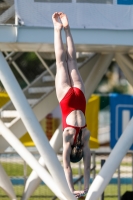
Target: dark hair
point(77, 150)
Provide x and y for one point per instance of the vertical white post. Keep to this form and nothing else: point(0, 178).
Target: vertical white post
point(97, 73)
point(33, 127)
point(107, 171)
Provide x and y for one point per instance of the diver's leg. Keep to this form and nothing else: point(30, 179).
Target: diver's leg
point(62, 80)
point(75, 77)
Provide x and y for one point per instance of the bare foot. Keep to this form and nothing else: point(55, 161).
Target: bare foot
point(64, 19)
point(56, 22)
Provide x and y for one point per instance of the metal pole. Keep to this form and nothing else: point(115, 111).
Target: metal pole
point(33, 127)
point(119, 184)
point(102, 163)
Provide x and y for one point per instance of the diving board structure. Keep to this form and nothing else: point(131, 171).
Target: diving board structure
point(99, 42)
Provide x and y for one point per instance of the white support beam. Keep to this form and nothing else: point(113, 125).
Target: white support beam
point(34, 180)
point(6, 184)
point(47, 78)
point(88, 66)
point(9, 114)
point(97, 73)
point(9, 55)
point(4, 17)
point(126, 59)
point(33, 127)
point(126, 70)
point(9, 2)
point(17, 69)
point(38, 39)
point(112, 163)
point(29, 158)
point(45, 65)
point(36, 90)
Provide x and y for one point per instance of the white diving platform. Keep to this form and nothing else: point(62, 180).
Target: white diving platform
point(23, 38)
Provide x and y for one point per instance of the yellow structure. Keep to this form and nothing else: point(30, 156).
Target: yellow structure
point(50, 124)
point(4, 98)
point(92, 110)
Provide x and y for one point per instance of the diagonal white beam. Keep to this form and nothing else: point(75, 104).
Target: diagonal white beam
point(110, 166)
point(7, 14)
point(18, 70)
point(126, 70)
point(126, 59)
point(9, 55)
point(29, 158)
point(6, 184)
point(33, 127)
point(45, 65)
point(97, 73)
point(9, 2)
point(88, 66)
point(34, 180)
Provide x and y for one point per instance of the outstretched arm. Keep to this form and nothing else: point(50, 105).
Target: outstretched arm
point(67, 166)
point(86, 160)
point(66, 161)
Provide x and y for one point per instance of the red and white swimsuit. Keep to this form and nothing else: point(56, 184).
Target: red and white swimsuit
point(73, 100)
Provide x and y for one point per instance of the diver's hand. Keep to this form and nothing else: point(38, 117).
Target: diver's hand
point(76, 194)
point(80, 193)
point(83, 193)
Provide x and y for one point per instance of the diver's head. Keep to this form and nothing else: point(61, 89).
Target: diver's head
point(77, 149)
point(76, 153)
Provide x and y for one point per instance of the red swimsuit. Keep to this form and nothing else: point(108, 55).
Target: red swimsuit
point(73, 100)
